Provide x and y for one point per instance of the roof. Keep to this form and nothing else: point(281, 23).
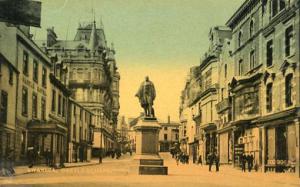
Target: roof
point(238, 15)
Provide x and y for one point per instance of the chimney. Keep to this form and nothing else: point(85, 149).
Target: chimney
point(169, 119)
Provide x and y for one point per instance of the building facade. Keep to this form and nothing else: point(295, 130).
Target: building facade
point(255, 98)
point(168, 135)
point(92, 76)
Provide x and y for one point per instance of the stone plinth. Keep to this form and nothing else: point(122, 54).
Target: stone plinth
point(147, 132)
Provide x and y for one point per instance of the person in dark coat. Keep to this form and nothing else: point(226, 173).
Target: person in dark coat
point(243, 160)
point(30, 157)
point(210, 161)
point(47, 156)
point(217, 161)
point(250, 159)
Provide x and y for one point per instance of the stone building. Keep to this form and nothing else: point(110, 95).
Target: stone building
point(168, 135)
point(92, 76)
point(257, 82)
point(8, 90)
point(80, 135)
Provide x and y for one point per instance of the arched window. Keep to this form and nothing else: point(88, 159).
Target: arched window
point(240, 39)
point(251, 28)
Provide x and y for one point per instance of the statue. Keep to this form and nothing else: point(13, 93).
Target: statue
point(146, 95)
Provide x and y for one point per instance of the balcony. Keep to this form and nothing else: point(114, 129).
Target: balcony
point(223, 105)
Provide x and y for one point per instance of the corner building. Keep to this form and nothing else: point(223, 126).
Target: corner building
point(92, 76)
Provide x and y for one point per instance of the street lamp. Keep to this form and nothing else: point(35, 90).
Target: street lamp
point(101, 126)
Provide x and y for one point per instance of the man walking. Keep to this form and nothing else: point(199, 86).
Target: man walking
point(217, 160)
point(243, 160)
point(210, 161)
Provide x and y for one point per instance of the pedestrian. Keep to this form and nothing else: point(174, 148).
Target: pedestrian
point(250, 162)
point(200, 160)
point(210, 161)
point(217, 161)
point(47, 156)
point(243, 160)
point(30, 156)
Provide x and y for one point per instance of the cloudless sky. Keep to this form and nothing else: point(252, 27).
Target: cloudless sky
point(159, 38)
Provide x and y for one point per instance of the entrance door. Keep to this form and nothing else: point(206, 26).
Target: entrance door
point(281, 145)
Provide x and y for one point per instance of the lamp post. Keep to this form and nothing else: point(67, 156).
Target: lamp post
point(101, 126)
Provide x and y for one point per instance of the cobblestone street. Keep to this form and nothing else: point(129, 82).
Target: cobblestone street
point(124, 172)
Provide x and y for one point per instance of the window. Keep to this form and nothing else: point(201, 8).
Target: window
point(288, 90)
point(74, 110)
point(35, 70)
point(11, 76)
point(277, 6)
point(252, 59)
point(225, 70)
point(240, 39)
point(269, 53)
point(53, 108)
point(80, 133)
point(80, 114)
point(34, 105)
point(63, 107)
point(222, 94)
point(240, 67)
point(59, 104)
point(3, 107)
point(165, 136)
point(24, 101)
point(165, 128)
point(23, 142)
point(288, 41)
point(25, 63)
point(43, 111)
point(176, 136)
point(44, 77)
point(74, 131)
point(269, 97)
point(251, 28)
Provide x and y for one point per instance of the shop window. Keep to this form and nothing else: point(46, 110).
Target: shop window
point(288, 90)
point(34, 105)
point(74, 131)
point(289, 38)
point(269, 53)
point(269, 97)
point(25, 63)
point(3, 107)
point(35, 70)
point(24, 101)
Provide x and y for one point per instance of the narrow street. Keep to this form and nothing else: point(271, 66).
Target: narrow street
point(124, 172)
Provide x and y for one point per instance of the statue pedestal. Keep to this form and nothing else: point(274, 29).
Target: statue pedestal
point(147, 132)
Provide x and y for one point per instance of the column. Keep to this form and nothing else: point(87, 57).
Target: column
point(262, 148)
point(297, 128)
point(233, 153)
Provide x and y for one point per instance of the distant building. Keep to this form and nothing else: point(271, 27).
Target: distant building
point(168, 135)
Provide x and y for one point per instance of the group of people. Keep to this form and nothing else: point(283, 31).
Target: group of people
point(179, 156)
point(247, 159)
point(114, 153)
point(213, 158)
point(7, 164)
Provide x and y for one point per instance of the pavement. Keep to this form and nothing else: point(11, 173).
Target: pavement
point(124, 172)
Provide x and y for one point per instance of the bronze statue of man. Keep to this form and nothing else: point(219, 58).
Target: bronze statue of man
point(146, 95)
